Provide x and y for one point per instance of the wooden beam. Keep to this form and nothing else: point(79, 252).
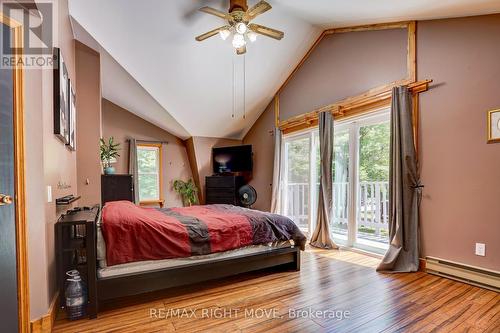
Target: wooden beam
point(370, 27)
point(412, 51)
point(277, 110)
point(370, 100)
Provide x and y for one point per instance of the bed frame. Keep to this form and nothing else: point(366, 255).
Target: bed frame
point(105, 289)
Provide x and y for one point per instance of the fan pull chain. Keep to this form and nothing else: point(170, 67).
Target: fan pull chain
point(244, 86)
point(234, 98)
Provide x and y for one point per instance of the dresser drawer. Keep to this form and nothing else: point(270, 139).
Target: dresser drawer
point(220, 182)
point(218, 199)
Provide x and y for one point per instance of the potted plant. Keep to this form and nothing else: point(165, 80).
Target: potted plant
point(188, 192)
point(109, 151)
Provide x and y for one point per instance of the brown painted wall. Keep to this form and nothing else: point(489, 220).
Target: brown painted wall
point(48, 162)
point(122, 125)
point(261, 138)
point(344, 65)
point(88, 106)
point(200, 152)
point(459, 169)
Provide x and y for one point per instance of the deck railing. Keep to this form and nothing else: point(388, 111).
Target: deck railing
point(372, 207)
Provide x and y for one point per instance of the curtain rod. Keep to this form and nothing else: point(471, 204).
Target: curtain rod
point(150, 141)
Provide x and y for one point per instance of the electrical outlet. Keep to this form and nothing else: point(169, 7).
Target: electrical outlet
point(480, 249)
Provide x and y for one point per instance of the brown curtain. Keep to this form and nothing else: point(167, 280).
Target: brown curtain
point(133, 169)
point(404, 188)
point(321, 235)
point(277, 187)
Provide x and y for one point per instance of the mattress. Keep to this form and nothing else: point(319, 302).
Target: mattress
point(151, 265)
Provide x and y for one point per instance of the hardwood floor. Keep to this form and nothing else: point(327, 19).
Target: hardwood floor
point(337, 284)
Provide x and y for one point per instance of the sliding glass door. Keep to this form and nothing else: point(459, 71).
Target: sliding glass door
point(297, 178)
point(373, 141)
point(341, 184)
point(360, 181)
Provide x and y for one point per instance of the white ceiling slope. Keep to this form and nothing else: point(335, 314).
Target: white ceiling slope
point(119, 87)
point(153, 40)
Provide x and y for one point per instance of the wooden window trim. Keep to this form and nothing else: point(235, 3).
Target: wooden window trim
point(161, 200)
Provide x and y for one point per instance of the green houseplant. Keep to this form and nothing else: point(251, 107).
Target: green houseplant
point(109, 150)
point(188, 192)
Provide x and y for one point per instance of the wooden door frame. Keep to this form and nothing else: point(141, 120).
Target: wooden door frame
point(19, 179)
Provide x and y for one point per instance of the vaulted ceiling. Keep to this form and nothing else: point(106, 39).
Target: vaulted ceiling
point(187, 87)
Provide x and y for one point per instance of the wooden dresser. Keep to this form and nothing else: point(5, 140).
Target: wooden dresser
point(223, 189)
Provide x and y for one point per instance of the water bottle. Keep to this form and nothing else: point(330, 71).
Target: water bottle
point(76, 297)
point(70, 275)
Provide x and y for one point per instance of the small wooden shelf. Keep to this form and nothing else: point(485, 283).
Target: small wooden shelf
point(69, 202)
point(76, 248)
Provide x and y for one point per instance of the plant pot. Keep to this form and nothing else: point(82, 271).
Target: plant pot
point(109, 170)
point(186, 202)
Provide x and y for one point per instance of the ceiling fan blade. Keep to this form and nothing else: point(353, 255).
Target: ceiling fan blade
point(241, 50)
point(260, 29)
point(215, 12)
point(254, 11)
point(211, 33)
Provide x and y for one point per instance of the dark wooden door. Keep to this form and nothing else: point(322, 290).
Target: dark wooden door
point(8, 262)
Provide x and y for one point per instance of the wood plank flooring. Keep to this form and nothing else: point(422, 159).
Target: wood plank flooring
point(342, 289)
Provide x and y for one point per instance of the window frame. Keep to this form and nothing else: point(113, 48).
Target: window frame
point(160, 201)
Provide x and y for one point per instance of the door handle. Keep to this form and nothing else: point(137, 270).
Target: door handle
point(5, 200)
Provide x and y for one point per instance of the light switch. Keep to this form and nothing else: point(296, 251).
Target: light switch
point(480, 249)
point(49, 194)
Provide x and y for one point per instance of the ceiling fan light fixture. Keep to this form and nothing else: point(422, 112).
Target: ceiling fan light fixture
point(241, 28)
point(238, 41)
point(224, 34)
point(252, 36)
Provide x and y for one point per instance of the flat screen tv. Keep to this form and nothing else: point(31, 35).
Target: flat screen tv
point(232, 159)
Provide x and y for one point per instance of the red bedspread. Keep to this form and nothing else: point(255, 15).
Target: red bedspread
point(135, 233)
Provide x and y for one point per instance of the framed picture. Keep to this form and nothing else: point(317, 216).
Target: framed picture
point(61, 97)
point(72, 117)
point(494, 126)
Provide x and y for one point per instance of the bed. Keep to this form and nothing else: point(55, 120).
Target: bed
point(142, 250)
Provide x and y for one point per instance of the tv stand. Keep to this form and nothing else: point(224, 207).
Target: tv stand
point(223, 189)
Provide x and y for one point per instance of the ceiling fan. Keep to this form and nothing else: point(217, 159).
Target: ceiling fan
point(238, 24)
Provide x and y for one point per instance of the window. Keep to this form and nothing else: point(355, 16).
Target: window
point(360, 181)
point(149, 173)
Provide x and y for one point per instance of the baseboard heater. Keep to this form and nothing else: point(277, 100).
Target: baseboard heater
point(480, 277)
